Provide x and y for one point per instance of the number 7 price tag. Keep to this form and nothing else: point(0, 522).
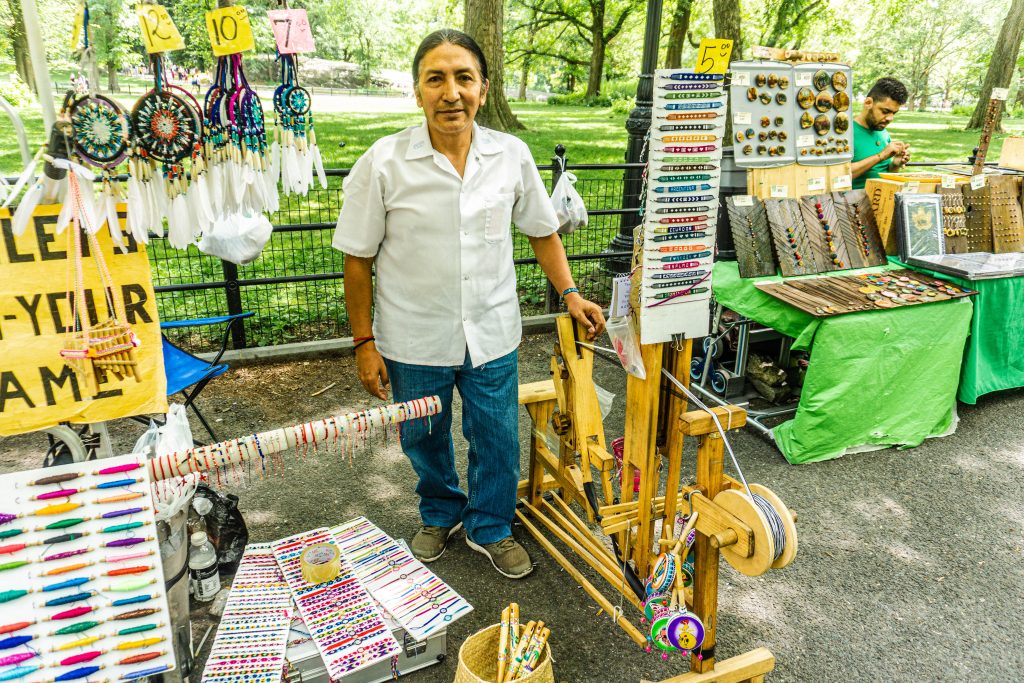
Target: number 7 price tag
point(713, 56)
point(159, 33)
point(291, 30)
point(230, 30)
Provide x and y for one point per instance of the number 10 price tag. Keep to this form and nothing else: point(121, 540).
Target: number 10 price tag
point(230, 30)
point(159, 33)
point(713, 56)
point(291, 30)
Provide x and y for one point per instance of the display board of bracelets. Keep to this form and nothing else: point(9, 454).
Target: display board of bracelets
point(839, 294)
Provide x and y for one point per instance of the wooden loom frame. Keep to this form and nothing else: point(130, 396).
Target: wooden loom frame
point(556, 481)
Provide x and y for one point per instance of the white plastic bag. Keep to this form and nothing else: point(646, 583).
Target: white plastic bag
point(237, 237)
point(174, 436)
point(569, 207)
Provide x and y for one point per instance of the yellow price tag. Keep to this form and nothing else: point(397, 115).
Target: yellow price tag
point(713, 56)
point(76, 31)
point(159, 34)
point(230, 30)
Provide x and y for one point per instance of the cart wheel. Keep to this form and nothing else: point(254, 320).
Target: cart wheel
point(715, 345)
point(696, 368)
point(719, 382)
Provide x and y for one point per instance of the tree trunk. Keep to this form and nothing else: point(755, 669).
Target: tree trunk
point(1004, 59)
point(1018, 101)
point(112, 84)
point(677, 34)
point(485, 21)
point(524, 77)
point(596, 62)
point(727, 24)
point(19, 44)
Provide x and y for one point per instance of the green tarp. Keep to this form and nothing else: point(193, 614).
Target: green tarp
point(994, 358)
point(875, 379)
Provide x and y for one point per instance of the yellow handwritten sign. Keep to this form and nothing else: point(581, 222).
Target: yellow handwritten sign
point(37, 389)
point(230, 30)
point(159, 34)
point(76, 30)
point(713, 56)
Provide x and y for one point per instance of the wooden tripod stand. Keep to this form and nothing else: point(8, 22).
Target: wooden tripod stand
point(558, 483)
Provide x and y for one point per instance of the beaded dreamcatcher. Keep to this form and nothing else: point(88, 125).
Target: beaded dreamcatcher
point(167, 129)
point(294, 153)
point(237, 145)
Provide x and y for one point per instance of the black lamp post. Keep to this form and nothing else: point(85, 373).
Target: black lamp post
point(637, 125)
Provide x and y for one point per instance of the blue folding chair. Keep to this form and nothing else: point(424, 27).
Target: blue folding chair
point(187, 374)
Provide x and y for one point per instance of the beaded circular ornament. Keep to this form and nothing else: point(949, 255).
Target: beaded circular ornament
point(100, 130)
point(165, 126)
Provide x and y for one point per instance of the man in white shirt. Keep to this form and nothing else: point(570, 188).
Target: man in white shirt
point(432, 207)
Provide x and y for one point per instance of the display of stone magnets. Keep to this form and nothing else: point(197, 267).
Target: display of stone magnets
point(751, 236)
point(797, 254)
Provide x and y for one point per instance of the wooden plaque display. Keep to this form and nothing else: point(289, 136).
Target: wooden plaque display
point(856, 223)
point(830, 249)
point(979, 218)
point(954, 219)
point(1007, 223)
point(797, 254)
point(752, 237)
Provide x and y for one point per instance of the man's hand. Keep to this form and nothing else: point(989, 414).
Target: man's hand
point(372, 371)
point(893, 150)
point(587, 313)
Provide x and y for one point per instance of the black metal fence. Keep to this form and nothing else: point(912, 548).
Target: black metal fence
point(295, 286)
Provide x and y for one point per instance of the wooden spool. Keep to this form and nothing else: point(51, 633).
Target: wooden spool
point(763, 548)
point(789, 552)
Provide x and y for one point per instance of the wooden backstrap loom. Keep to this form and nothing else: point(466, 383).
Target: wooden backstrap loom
point(656, 425)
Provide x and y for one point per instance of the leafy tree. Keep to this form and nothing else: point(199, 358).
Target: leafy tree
point(1001, 65)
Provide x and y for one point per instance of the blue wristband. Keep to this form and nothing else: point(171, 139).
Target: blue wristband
point(569, 291)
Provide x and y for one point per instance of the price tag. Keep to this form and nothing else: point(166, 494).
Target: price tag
point(977, 182)
point(230, 30)
point(802, 78)
point(805, 141)
point(742, 79)
point(948, 182)
point(159, 34)
point(741, 118)
point(622, 286)
point(291, 30)
point(713, 56)
point(911, 186)
point(742, 200)
point(1000, 94)
point(842, 182)
point(816, 184)
point(779, 191)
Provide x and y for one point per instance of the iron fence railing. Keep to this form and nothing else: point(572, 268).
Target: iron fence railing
point(295, 287)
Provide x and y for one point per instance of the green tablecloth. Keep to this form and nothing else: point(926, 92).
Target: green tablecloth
point(878, 378)
point(994, 357)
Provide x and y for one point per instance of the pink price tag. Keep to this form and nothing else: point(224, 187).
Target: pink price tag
point(291, 30)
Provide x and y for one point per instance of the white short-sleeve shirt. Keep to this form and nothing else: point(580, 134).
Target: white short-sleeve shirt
point(446, 281)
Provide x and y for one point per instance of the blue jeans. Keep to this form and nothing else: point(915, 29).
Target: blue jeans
point(490, 423)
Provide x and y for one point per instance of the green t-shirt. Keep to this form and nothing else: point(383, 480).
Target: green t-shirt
point(865, 143)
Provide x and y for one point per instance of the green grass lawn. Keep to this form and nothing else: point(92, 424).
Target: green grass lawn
point(314, 310)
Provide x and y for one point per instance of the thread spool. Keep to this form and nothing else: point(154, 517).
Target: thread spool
point(320, 563)
point(775, 540)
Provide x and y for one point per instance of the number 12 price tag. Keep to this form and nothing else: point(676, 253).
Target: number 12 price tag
point(230, 30)
point(159, 33)
point(291, 30)
point(713, 56)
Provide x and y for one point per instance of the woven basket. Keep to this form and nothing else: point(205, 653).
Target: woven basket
point(478, 660)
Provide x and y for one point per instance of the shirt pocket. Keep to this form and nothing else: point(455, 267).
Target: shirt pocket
point(498, 216)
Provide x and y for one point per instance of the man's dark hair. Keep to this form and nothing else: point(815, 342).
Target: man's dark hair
point(889, 88)
point(448, 35)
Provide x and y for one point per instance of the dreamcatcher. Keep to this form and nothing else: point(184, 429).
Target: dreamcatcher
point(294, 153)
point(237, 143)
point(167, 127)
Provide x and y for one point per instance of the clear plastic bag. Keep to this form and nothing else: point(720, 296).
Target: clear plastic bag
point(570, 210)
point(623, 336)
point(237, 237)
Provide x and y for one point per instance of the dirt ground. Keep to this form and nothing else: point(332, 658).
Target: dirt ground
point(910, 568)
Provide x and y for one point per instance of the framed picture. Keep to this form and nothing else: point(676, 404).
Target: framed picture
point(919, 225)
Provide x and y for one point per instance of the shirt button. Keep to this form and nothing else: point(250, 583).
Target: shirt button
point(465, 320)
point(465, 277)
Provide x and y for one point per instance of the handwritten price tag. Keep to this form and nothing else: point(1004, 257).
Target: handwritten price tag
point(803, 78)
point(779, 191)
point(713, 56)
point(741, 118)
point(159, 34)
point(816, 184)
point(912, 186)
point(842, 182)
point(291, 30)
point(805, 141)
point(948, 182)
point(1000, 94)
point(230, 30)
point(743, 200)
point(741, 79)
point(977, 182)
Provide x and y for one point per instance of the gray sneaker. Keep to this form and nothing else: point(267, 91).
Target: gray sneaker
point(507, 556)
point(429, 542)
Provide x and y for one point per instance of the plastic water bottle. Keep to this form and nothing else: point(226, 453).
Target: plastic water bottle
point(203, 572)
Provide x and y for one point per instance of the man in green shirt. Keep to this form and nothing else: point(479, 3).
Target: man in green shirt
point(874, 152)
